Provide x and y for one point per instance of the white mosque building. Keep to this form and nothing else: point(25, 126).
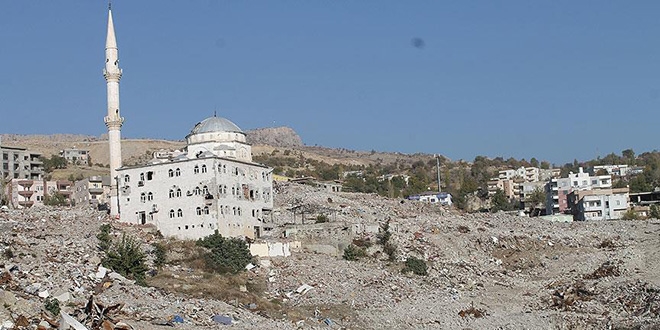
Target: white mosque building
point(212, 184)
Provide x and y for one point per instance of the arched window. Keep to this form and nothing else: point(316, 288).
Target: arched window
point(179, 213)
point(150, 196)
point(177, 172)
point(203, 168)
point(197, 191)
point(127, 178)
point(171, 193)
point(143, 197)
point(170, 173)
point(239, 211)
point(224, 168)
point(196, 169)
point(178, 192)
point(222, 209)
point(206, 210)
point(233, 210)
point(171, 213)
point(199, 210)
point(233, 190)
point(205, 190)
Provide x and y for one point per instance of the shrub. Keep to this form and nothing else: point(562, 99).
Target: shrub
point(53, 306)
point(226, 255)
point(105, 241)
point(384, 237)
point(390, 250)
point(8, 253)
point(629, 215)
point(321, 218)
point(127, 259)
point(654, 212)
point(160, 255)
point(415, 265)
point(56, 199)
point(353, 253)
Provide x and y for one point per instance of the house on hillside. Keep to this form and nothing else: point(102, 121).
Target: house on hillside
point(432, 197)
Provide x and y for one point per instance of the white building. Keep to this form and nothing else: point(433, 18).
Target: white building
point(600, 204)
point(76, 156)
point(212, 185)
point(558, 188)
point(433, 197)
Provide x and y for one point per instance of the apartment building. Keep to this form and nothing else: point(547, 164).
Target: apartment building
point(599, 204)
point(76, 156)
point(20, 163)
point(557, 189)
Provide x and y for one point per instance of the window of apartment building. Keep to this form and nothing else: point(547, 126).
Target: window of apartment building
point(203, 168)
point(594, 181)
point(575, 183)
point(196, 169)
point(179, 213)
point(5, 156)
point(584, 182)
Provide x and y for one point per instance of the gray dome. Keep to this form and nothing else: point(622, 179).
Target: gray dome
point(215, 124)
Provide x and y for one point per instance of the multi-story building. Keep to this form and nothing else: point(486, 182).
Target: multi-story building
point(26, 192)
point(20, 163)
point(526, 191)
point(557, 189)
point(442, 198)
point(93, 190)
point(76, 156)
point(214, 185)
point(599, 204)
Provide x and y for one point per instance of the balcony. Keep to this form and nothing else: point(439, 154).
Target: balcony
point(26, 183)
point(95, 191)
point(26, 203)
point(26, 193)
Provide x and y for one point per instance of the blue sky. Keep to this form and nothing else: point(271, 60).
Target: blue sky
point(553, 80)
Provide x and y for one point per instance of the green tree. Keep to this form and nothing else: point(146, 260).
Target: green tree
point(655, 211)
point(127, 259)
point(536, 200)
point(56, 199)
point(353, 253)
point(105, 240)
point(499, 202)
point(226, 255)
point(415, 265)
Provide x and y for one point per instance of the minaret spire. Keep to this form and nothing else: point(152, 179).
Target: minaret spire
point(113, 120)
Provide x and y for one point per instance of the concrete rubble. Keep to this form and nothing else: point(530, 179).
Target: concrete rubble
point(485, 271)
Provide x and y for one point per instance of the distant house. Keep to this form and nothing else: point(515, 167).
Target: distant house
point(442, 198)
point(93, 190)
point(599, 204)
point(76, 156)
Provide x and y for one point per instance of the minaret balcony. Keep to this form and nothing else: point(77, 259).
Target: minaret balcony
point(112, 75)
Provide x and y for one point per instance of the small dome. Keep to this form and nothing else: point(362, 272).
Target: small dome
point(215, 124)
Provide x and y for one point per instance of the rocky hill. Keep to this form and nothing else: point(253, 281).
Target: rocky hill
point(274, 136)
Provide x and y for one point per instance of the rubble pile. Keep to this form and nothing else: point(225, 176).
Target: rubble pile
point(51, 254)
point(485, 271)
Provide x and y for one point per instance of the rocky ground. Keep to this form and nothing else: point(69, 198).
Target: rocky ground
point(485, 271)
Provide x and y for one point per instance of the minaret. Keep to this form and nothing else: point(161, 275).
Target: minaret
point(113, 120)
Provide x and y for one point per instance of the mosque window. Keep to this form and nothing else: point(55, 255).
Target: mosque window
point(196, 169)
point(198, 210)
point(143, 197)
point(177, 172)
point(171, 193)
point(203, 168)
point(150, 175)
point(222, 209)
point(170, 173)
point(197, 191)
point(179, 213)
point(171, 213)
point(150, 196)
point(127, 178)
point(141, 176)
point(178, 192)
point(233, 210)
point(205, 190)
point(206, 210)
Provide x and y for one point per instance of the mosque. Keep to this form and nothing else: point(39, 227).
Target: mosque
point(212, 184)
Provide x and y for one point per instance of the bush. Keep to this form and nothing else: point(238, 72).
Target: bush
point(160, 255)
point(127, 259)
point(415, 265)
point(384, 237)
point(390, 250)
point(321, 218)
point(226, 255)
point(629, 215)
point(654, 212)
point(53, 306)
point(56, 199)
point(105, 241)
point(353, 253)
